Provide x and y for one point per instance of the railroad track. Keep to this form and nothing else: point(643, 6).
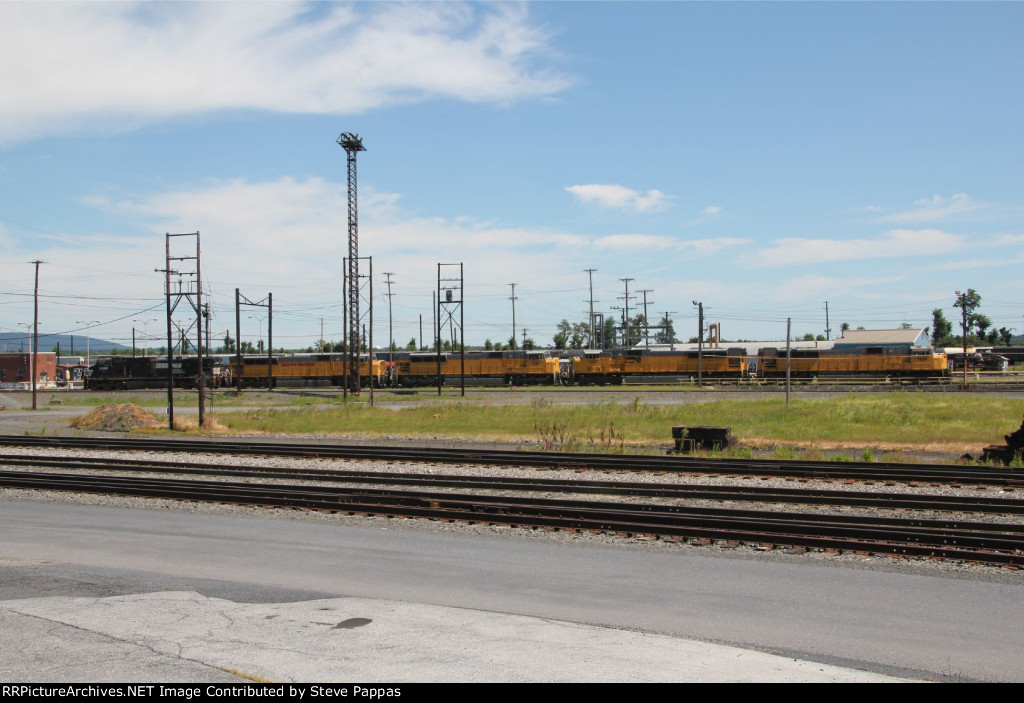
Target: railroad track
point(751, 494)
point(931, 474)
point(997, 544)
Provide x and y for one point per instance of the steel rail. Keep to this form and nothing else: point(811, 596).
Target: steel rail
point(835, 470)
point(810, 496)
point(908, 537)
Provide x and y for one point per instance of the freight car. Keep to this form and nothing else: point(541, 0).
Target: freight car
point(813, 363)
point(506, 367)
point(613, 367)
point(128, 373)
point(305, 369)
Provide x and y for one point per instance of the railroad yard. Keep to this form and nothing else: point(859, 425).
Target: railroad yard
point(808, 499)
point(911, 510)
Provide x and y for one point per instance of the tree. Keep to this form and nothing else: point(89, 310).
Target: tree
point(512, 343)
point(571, 335)
point(941, 327)
point(528, 344)
point(982, 323)
point(844, 327)
point(634, 331)
point(609, 332)
point(1005, 336)
point(488, 344)
point(411, 346)
point(967, 302)
point(666, 333)
point(229, 343)
point(809, 337)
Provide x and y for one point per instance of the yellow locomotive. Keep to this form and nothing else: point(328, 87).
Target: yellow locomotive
point(506, 367)
point(306, 369)
point(612, 367)
point(810, 363)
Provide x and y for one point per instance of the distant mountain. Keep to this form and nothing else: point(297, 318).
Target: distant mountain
point(70, 344)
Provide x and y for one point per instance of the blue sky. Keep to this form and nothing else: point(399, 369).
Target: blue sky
point(760, 157)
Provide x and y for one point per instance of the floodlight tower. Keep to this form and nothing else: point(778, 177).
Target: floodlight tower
point(352, 144)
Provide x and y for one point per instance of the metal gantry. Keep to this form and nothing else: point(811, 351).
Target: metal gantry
point(352, 144)
point(192, 292)
point(363, 291)
point(267, 303)
point(450, 299)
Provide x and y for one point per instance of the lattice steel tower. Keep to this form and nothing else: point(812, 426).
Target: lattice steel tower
point(352, 144)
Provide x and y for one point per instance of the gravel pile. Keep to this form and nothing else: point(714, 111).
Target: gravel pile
point(123, 417)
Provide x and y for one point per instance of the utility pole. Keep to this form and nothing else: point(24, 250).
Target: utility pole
point(352, 144)
point(666, 315)
point(963, 330)
point(788, 357)
point(170, 340)
point(828, 330)
point(647, 329)
point(700, 342)
point(391, 334)
point(238, 342)
point(206, 318)
point(35, 336)
point(513, 299)
point(590, 319)
point(625, 314)
point(524, 340)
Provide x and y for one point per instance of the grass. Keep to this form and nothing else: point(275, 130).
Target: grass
point(902, 418)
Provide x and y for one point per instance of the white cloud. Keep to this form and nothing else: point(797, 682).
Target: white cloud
point(115, 66)
point(959, 264)
point(819, 287)
point(711, 210)
point(691, 248)
point(635, 241)
point(896, 243)
point(936, 208)
point(699, 248)
point(1008, 240)
point(619, 197)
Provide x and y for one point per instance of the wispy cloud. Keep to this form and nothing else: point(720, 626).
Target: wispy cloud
point(71, 67)
point(635, 241)
point(699, 248)
point(711, 210)
point(996, 261)
point(936, 208)
point(1008, 240)
point(896, 243)
point(619, 197)
point(694, 248)
point(817, 286)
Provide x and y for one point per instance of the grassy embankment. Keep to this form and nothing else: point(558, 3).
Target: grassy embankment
point(891, 419)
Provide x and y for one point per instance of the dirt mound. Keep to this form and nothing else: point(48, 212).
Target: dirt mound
point(124, 417)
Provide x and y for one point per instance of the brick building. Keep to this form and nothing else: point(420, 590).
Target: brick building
point(15, 370)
